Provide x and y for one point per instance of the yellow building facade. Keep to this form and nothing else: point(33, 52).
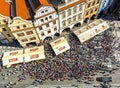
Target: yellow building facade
point(24, 32)
point(91, 9)
point(5, 31)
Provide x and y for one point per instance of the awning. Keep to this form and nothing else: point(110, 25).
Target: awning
point(12, 57)
point(34, 53)
point(87, 32)
point(60, 45)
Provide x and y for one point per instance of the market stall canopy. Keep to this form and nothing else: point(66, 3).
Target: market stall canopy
point(34, 53)
point(12, 57)
point(60, 45)
point(89, 31)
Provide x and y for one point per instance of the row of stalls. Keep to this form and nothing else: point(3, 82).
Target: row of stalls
point(59, 45)
point(90, 30)
point(34, 53)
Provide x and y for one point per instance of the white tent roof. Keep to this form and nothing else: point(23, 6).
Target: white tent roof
point(90, 30)
point(34, 51)
point(60, 45)
point(12, 54)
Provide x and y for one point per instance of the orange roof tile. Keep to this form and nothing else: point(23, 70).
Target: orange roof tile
point(21, 9)
point(45, 2)
point(42, 3)
point(4, 8)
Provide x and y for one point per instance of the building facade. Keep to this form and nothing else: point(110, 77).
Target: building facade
point(91, 9)
point(21, 27)
point(3, 39)
point(5, 34)
point(104, 6)
point(70, 13)
point(45, 20)
point(24, 32)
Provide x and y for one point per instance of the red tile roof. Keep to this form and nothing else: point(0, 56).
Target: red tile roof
point(21, 9)
point(4, 8)
point(41, 3)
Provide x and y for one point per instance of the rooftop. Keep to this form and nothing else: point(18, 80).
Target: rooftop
point(21, 9)
point(4, 8)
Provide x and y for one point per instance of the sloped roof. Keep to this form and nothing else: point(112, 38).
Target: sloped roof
point(4, 8)
point(39, 3)
point(21, 9)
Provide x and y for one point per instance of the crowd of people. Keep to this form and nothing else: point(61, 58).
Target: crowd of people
point(82, 61)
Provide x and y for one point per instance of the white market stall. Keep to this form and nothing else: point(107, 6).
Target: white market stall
point(12, 57)
point(60, 45)
point(84, 33)
point(89, 31)
point(34, 53)
point(99, 26)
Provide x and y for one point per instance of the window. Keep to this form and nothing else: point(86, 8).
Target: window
point(33, 38)
point(55, 29)
point(87, 12)
point(8, 35)
point(93, 3)
point(69, 21)
point(74, 18)
point(80, 7)
point(74, 9)
point(97, 1)
point(95, 10)
point(24, 40)
point(42, 11)
point(50, 17)
point(4, 21)
point(29, 32)
point(69, 12)
point(4, 29)
point(91, 11)
point(49, 31)
point(46, 10)
point(40, 28)
point(46, 18)
point(42, 20)
point(79, 16)
point(24, 25)
point(63, 15)
point(63, 23)
point(88, 5)
point(47, 25)
point(54, 22)
point(42, 34)
point(20, 34)
point(18, 27)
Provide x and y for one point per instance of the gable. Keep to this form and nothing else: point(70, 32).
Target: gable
point(19, 21)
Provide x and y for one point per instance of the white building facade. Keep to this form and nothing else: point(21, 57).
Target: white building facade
point(71, 13)
point(46, 22)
